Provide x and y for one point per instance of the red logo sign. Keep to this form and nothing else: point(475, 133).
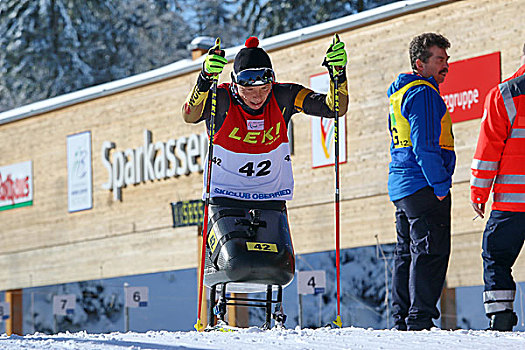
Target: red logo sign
point(11, 190)
point(467, 84)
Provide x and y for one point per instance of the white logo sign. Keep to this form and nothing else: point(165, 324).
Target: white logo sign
point(311, 282)
point(252, 124)
point(463, 99)
point(5, 311)
point(16, 185)
point(64, 304)
point(136, 296)
point(323, 130)
point(79, 175)
point(160, 160)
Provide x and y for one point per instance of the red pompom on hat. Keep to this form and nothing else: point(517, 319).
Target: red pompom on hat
point(251, 56)
point(252, 42)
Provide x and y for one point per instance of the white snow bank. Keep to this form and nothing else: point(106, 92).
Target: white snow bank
point(253, 338)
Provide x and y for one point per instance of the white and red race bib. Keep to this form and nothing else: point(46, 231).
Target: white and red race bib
point(251, 156)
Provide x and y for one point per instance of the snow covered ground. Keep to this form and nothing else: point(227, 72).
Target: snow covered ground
point(254, 338)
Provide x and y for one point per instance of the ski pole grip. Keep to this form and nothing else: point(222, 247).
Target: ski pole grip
point(335, 68)
point(216, 49)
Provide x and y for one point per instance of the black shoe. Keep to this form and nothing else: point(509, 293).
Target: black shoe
point(503, 321)
point(421, 326)
point(400, 326)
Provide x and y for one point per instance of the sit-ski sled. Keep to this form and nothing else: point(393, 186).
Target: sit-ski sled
point(249, 249)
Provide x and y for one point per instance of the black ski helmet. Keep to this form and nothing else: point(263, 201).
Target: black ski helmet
point(252, 65)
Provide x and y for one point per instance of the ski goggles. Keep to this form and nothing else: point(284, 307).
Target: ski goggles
point(254, 76)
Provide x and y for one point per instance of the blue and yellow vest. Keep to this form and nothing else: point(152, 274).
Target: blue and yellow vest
point(400, 127)
point(406, 173)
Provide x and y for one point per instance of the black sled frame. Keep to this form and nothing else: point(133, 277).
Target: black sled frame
point(249, 249)
point(218, 309)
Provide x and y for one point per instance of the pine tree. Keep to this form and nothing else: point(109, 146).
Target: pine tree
point(212, 17)
point(52, 47)
point(271, 17)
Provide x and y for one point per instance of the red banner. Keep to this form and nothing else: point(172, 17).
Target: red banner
point(467, 83)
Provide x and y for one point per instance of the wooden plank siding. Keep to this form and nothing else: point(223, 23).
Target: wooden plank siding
point(45, 244)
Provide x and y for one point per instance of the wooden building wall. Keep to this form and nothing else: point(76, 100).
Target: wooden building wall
point(45, 244)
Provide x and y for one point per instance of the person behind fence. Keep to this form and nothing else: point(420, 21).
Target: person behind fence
point(419, 182)
point(499, 164)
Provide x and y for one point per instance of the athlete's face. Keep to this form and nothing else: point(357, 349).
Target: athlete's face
point(254, 96)
point(436, 66)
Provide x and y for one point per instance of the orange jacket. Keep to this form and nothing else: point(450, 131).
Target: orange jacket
point(500, 154)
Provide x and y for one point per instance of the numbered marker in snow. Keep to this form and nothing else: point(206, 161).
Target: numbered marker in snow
point(4, 311)
point(136, 296)
point(311, 282)
point(64, 304)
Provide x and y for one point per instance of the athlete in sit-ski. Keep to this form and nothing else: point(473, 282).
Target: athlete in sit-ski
point(251, 155)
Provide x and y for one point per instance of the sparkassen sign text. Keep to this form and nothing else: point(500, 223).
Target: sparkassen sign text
point(159, 160)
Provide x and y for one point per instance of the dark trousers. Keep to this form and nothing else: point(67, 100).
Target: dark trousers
point(502, 242)
point(420, 258)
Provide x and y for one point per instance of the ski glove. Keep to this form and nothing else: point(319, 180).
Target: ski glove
point(214, 62)
point(335, 59)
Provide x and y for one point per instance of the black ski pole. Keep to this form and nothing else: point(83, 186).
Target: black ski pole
point(338, 322)
point(199, 326)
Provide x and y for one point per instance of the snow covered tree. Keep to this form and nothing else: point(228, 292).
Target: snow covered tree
point(271, 17)
point(52, 47)
point(215, 18)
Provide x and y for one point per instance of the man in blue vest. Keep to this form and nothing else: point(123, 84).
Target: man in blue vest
point(419, 181)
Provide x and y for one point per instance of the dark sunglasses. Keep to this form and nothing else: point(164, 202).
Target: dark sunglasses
point(254, 76)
